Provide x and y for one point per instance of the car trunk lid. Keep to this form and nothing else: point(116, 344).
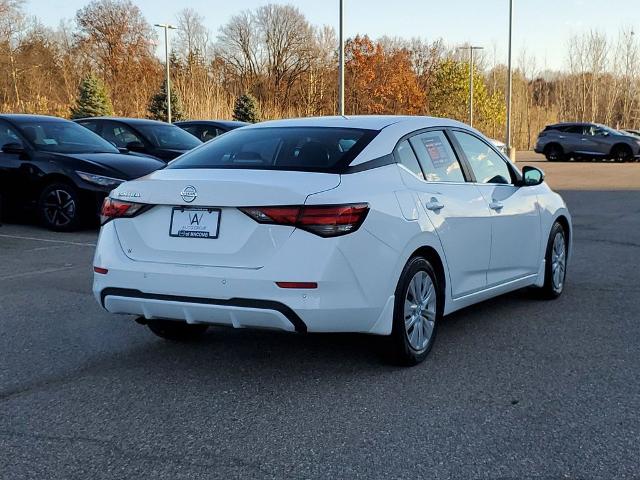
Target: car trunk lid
point(215, 195)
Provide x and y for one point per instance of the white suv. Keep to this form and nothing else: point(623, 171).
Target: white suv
point(378, 225)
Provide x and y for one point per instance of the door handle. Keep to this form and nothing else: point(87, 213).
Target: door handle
point(434, 205)
point(497, 206)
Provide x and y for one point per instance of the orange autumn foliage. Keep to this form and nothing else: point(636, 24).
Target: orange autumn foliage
point(380, 82)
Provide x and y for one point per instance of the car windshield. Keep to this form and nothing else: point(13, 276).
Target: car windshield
point(168, 136)
point(322, 149)
point(63, 137)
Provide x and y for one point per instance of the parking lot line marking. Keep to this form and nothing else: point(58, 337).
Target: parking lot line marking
point(66, 242)
point(36, 272)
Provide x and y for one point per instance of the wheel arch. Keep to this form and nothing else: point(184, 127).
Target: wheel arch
point(554, 143)
point(619, 145)
point(433, 257)
point(52, 178)
point(566, 226)
point(428, 247)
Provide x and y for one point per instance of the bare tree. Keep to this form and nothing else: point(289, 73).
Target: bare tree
point(193, 38)
point(117, 42)
point(627, 62)
point(13, 27)
point(238, 46)
point(288, 43)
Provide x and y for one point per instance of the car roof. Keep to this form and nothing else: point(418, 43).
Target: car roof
point(21, 117)
point(569, 124)
point(132, 121)
point(223, 123)
point(368, 122)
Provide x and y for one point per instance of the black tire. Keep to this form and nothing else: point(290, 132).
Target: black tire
point(550, 290)
point(176, 330)
point(554, 153)
point(621, 153)
point(59, 207)
point(403, 353)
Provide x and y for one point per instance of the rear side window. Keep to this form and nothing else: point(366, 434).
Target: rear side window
point(406, 157)
point(322, 149)
point(93, 126)
point(579, 129)
point(436, 157)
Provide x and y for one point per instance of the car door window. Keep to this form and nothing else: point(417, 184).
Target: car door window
point(195, 130)
point(8, 135)
point(93, 126)
point(437, 159)
point(120, 135)
point(576, 129)
point(597, 131)
point(209, 133)
point(487, 165)
point(408, 159)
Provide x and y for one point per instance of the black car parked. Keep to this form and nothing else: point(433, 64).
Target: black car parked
point(60, 168)
point(158, 139)
point(206, 130)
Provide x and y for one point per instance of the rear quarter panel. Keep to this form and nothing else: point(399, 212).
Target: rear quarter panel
point(378, 259)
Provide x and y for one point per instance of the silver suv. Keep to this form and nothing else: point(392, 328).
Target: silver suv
point(564, 141)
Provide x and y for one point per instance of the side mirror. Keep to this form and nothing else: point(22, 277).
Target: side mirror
point(135, 146)
point(531, 176)
point(13, 147)
point(123, 150)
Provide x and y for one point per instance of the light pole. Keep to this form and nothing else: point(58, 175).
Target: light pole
point(471, 49)
point(167, 27)
point(341, 62)
point(510, 151)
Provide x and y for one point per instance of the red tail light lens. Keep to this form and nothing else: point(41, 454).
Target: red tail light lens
point(305, 285)
point(112, 208)
point(323, 220)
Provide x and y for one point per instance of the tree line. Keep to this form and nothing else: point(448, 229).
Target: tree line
point(271, 62)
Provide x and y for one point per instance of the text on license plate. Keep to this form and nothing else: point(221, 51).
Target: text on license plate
point(195, 222)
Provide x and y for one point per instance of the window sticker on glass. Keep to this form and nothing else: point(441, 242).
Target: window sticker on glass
point(436, 151)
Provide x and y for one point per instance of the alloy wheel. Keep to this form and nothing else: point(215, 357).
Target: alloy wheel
point(59, 208)
point(420, 311)
point(558, 261)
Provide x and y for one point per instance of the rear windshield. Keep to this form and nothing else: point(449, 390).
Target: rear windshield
point(320, 149)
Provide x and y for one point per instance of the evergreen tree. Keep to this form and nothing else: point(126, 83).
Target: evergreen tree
point(158, 105)
point(93, 99)
point(246, 109)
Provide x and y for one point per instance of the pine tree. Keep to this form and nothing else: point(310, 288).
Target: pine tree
point(158, 105)
point(93, 99)
point(246, 109)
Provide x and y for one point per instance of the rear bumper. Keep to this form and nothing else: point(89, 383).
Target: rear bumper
point(353, 295)
point(235, 312)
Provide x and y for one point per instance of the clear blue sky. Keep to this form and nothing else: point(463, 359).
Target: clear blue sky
point(540, 26)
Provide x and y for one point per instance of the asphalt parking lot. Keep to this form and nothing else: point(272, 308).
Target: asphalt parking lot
point(514, 388)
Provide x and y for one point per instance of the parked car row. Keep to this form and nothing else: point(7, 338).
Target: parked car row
point(64, 169)
point(566, 141)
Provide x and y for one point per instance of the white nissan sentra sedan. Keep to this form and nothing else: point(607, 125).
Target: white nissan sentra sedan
point(373, 224)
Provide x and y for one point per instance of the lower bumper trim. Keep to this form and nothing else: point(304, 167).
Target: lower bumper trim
point(289, 314)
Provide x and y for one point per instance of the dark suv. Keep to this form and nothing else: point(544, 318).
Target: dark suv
point(564, 141)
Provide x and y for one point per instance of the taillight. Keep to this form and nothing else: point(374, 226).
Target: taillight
point(323, 220)
point(112, 208)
